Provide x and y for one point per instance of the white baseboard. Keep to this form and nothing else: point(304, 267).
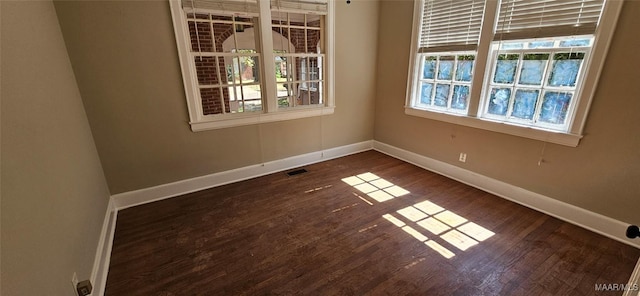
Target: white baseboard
point(592, 221)
point(634, 282)
point(595, 222)
point(147, 195)
point(103, 253)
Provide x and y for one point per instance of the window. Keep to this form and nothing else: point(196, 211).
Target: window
point(251, 61)
point(527, 68)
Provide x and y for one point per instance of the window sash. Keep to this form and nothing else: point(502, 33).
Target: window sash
point(518, 19)
point(449, 25)
point(542, 88)
point(583, 95)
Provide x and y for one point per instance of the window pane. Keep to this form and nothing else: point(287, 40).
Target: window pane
point(442, 95)
point(554, 107)
point(445, 72)
point(565, 69)
point(227, 72)
point(297, 38)
point(212, 100)
point(235, 99)
point(533, 67)
point(460, 97)
point(315, 66)
point(575, 42)
point(426, 93)
point(525, 103)
point(465, 66)
point(499, 101)
point(540, 44)
point(252, 98)
point(225, 37)
point(284, 95)
point(201, 40)
point(429, 68)
point(506, 68)
point(206, 70)
point(313, 41)
point(512, 45)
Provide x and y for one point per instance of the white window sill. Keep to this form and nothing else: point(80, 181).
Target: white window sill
point(561, 138)
point(240, 119)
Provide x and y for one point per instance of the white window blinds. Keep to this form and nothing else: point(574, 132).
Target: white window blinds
point(449, 25)
point(249, 7)
point(522, 19)
point(300, 6)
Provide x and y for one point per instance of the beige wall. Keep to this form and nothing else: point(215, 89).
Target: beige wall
point(601, 175)
point(54, 194)
point(125, 59)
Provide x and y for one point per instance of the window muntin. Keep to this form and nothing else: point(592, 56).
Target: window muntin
point(445, 81)
point(242, 96)
point(534, 82)
point(511, 22)
point(447, 42)
point(227, 62)
point(299, 60)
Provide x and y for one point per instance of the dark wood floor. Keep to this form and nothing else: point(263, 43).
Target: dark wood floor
point(313, 233)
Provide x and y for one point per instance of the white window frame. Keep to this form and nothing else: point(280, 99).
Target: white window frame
point(482, 73)
point(270, 112)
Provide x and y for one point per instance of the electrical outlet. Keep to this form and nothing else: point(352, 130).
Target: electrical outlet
point(463, 157)
point(74, 282)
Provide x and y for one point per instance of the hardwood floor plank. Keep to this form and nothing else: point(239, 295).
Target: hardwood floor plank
point(313, 233)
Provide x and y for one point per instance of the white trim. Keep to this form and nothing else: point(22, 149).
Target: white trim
point(510, 128)
point(231, 120)
point(271, 112)
point(583, 95)
point(186, 66)
point(595, 222)
point(603, 36)
point(592, 221)
point(151, 194)
point(103, 252)
point(412, 82)
point(330, 50)
point(634, 282)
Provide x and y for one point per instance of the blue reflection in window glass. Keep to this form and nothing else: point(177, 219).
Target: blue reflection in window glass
point(463, 73)
point(460, 97)
point(554, 107)
point(499, 101)
point(442, 95)
point(524, 105)
point(512, 45)
point(540, 44)
point(533, 69)
point(426, 92)
point(564, 71)
point(429, 70)
point(575, 42)
point(506, 68)
point(445, 72)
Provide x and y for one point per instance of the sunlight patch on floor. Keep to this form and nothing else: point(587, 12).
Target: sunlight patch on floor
point(452, 228)
point(375, 187)
point(448, 227)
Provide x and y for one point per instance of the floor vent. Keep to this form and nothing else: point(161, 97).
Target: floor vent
point(296, 172)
